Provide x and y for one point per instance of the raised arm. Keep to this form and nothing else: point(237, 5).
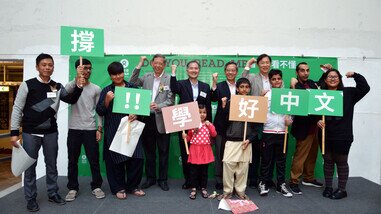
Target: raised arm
point(134, 79)
point(246, 70)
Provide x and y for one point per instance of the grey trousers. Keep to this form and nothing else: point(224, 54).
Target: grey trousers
point(220, 147)
point(32, 145)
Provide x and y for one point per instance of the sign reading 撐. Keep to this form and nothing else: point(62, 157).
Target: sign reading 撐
point(132, 101)
point(78, 41)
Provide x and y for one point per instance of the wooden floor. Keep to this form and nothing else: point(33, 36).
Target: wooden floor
point(7, 179)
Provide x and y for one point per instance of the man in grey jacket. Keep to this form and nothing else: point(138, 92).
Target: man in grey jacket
point(154, 134)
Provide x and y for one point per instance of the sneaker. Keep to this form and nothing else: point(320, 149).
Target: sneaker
point(295, 189)
point(71, 195)
point(262, 188)
point(32, 205)
point(98, 193)
point(313, 183)
point(283, 190)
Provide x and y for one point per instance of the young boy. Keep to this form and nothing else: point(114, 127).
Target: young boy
point(237, 153)
point(272, 142)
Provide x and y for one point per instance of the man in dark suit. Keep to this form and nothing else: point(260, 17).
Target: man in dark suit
point(154, 134)
point(219, 91)
point(190, 90)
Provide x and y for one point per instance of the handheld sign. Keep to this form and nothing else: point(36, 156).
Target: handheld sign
point(78, 41)
point(181, 117)
point(289, 101)
point(326, 102)
point(248, 108)
point(132, 101)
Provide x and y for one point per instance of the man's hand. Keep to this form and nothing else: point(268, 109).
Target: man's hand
point(224, 100)
point(293, 82)
point(141, 62)
point(14, 140)
point(173, 67)
point(245, 144)
point(215, 77)
point(250, 62)
point(154, 106)
point(98, 135)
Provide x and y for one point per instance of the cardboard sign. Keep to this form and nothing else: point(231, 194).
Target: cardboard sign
point(181, 117)
point(289, 101)
point(132, 101)
point(326, 102)
point(248, 108)
point(78, 41)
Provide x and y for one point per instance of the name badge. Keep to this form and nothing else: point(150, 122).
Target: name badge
point(166, 88)
point(203, 94)
point(51, 94)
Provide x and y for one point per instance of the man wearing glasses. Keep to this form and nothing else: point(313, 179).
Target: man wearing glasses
point(83, 129)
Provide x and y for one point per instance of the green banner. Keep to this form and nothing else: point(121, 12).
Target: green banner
point(132, 101)
point(209, 65)
point(78, 41)
point(289, 101)
point(326, 102)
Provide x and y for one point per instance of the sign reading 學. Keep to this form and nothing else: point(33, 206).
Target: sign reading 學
point(77, 41)
point(248, 108)
point(181, 117)
point(132, 101)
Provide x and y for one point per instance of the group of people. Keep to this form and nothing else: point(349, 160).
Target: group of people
point(239, 160)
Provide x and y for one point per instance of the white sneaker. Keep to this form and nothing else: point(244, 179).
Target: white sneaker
point(98, 193)
point(71, 195)
point(283, 190)
point(263, 190)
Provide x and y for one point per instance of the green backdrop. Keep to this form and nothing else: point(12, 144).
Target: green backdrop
point(209, 64)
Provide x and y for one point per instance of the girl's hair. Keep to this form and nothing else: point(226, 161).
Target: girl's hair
point(325, 76)
point(201, 106)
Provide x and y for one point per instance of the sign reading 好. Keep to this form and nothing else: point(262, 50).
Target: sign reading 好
point(248, 108)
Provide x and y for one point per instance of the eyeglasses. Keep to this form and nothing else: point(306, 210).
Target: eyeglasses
point(333, 77)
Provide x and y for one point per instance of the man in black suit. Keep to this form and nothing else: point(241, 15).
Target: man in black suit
point(190, 90)
point(219, 91)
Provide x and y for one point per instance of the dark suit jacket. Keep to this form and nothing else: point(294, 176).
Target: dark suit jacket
point(302, 124)
point(184, 89)
point(220, 119)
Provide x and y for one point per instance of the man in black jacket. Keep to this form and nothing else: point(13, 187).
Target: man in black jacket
point(304, 129)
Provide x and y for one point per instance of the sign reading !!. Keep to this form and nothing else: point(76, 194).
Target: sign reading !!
point(132, 101)
point(181, 117)
point(248, 108)
point(326, 102)
point(289, 101)
point(77, 41)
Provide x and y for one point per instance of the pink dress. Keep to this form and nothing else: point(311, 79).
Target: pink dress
point(200, 151)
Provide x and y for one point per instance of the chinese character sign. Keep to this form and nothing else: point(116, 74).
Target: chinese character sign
point(248, 108)
point(181, 117)
point(77, 41)
point(132, 101)
point(326, 102)
point(289, 101)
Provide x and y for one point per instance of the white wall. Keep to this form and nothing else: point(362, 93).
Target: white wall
point(348, 30)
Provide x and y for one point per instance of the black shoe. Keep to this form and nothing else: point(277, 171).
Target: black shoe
point(32, 205)
point(313, 183)
point(253, 184)
point(219, 186)
point(295, 189)
point(186, 185)
point(339, 194)
point(328, 192)
point(164, 185)
point(57, 199)
point(147, 184)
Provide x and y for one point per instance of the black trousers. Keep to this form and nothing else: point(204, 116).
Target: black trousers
point(184, 159)
point(255, 161)
point(75, 140)
point(198, 175)
point(117, 173)
point(273, 150)
point(152, 139)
